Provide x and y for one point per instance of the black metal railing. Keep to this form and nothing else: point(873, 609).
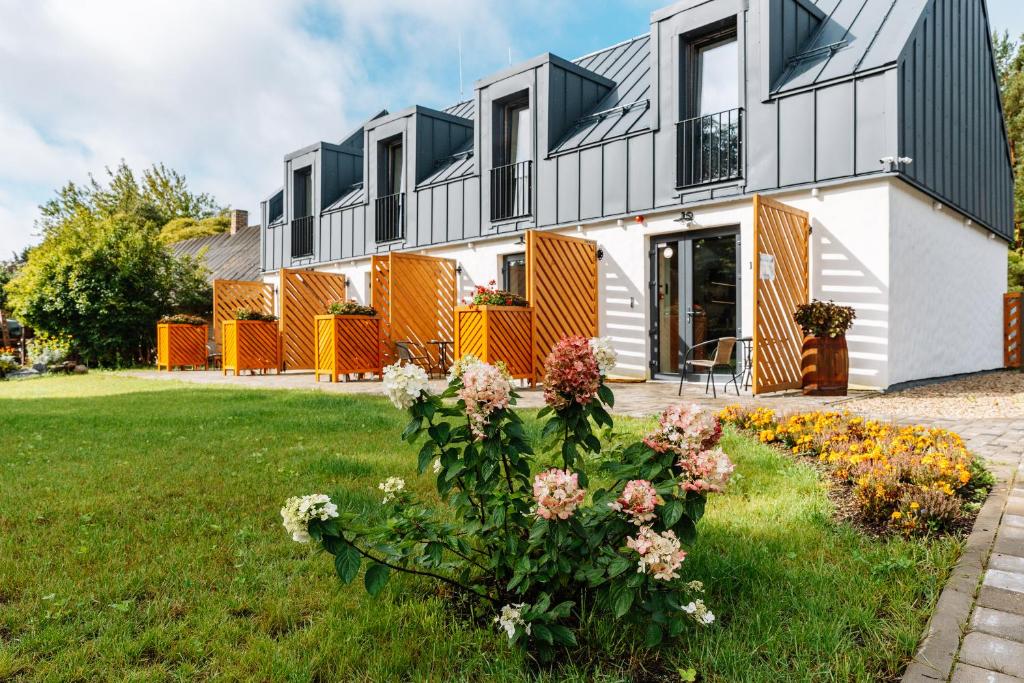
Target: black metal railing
point(390, 214)
point(709, 148)
point(511, 191)
point(302, 237)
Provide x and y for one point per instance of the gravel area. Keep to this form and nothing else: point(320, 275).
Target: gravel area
point(988, 395)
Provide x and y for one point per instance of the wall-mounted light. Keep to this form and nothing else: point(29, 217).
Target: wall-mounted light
point(348, 283)
point(458, 269)
point(579, 228)
point(470, 245)
point(520, 240)
point(600, 254)
point(684, 217)
point(668, 252)
point(937, 206)
point(815, 192)
point(639, 219)
point(620, 223)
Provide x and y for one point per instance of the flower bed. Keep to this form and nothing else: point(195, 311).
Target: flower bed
point(536, 551)
point(181, 342)
point(496, 334)
point(250, 345)
point(910, 479)
point(347, 344)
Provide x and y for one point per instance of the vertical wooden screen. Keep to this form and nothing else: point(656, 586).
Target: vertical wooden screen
point(561, 285)
point(230, 295)
point(422, 301)
point(380, 297)
point(1013, 329)
point(780, 284)
point(305, 294)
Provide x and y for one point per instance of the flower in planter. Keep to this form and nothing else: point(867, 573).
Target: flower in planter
point(350, 307)
point(298, 511)
point(250, 314)
point(604, 354)
point(404, 384)
point(557, 493)
point(571, 373)
point(484, 390)
point(491, 296)
point(182, 319)
point(637, 501)
point(824, 318)
point(660, 553)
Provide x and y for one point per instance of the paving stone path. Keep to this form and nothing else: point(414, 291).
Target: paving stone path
point(976, 634)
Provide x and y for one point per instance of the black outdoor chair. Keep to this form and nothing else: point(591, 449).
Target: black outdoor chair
point(723, 353)
point(415, 353)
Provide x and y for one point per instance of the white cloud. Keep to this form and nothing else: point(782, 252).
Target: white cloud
point(217, 90)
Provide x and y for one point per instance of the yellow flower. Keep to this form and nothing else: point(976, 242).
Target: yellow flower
point(897, 514)
point(915, 506)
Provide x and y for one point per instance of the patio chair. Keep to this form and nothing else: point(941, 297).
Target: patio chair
point(416, 353)
point(214, 357)
point(723, 352)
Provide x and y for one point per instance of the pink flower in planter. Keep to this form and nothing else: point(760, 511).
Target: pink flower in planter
point(571, 373)
point(660, 553)
point(638, 501)
point(557, 493)
point(485, 389)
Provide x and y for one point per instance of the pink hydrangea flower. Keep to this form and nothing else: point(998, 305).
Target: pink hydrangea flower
point(557, 493)
point(484, 390)
point(571, 374)
point(638, 500)
point(685, 429)
point(706, 471)
point(660, 553)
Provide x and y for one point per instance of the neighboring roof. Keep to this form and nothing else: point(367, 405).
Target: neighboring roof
point(227, 256)
point(856, 36)
point(466, 109)
point(624, 109)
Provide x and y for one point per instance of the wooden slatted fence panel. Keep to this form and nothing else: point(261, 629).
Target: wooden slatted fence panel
point(305, 294)
point(781, 239)
point(1013, 330)
point(380, 298)
point(230, 295)
point(421, 299)
point(561, 285)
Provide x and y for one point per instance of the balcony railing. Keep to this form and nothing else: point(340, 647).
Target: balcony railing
point(390, 214)
point(709, 148)
point(511, 191)
point(302, 237)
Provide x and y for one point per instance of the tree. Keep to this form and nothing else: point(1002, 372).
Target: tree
point(1009, 56)
point(102, 274)
point(179, 229)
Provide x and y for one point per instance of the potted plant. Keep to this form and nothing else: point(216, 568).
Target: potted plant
point(496, 326)
point(181, 341)
point(347, 341)
point(252, 342)
point(8, 361)
point(825, 365)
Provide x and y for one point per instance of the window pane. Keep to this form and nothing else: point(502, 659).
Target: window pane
point(519, 135)
point(515, 274)
point(719, 70)
point(397, 177)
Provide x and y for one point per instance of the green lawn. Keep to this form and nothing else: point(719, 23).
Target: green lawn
point(140, 540)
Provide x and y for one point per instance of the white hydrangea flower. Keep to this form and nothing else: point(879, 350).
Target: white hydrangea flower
point(604, 354)
point(437, 465)
point(512, 616)
point(461, 365)
point(391, 488)
point(404, 384)
point(699, 612)
point(298, 511)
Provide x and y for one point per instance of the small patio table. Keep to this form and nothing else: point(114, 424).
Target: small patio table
point(442, 353)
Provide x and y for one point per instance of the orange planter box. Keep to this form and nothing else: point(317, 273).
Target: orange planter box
point(179, 345)
point(250, 345)
point(347, 344)
point(497, 333)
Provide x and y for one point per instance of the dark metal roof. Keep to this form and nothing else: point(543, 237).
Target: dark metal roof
point(227, 256)
point(856, 36)
point(466, 109)
point(354, 195)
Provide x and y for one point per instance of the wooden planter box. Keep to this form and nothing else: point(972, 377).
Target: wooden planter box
point(825, 366)
point(347, 344)
point(497, 333)
point(250, 345)
point(179, 345)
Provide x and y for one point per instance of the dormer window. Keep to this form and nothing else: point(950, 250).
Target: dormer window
point(709, 133)
point(302, 213)
point(512, 175)
point(390, 205)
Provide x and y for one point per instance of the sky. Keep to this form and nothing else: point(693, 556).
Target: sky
point(221, 91)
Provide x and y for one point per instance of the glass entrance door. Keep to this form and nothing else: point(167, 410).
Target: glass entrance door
point(696, 296)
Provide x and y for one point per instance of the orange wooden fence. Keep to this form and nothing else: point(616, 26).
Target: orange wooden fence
point(347, 344)
point(251, 345)
point(305, 294)
point(497, 333)
point(780, 284)
point(179, 345)
point(230, 295)
point(415, 295)
point(561, 285)
point(1013, 330)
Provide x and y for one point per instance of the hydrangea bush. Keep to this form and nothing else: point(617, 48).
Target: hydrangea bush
point(524, 532)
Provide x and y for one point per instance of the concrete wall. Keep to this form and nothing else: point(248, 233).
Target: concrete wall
point(948, 281)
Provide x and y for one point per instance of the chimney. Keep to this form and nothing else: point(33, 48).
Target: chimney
point(239, 221)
